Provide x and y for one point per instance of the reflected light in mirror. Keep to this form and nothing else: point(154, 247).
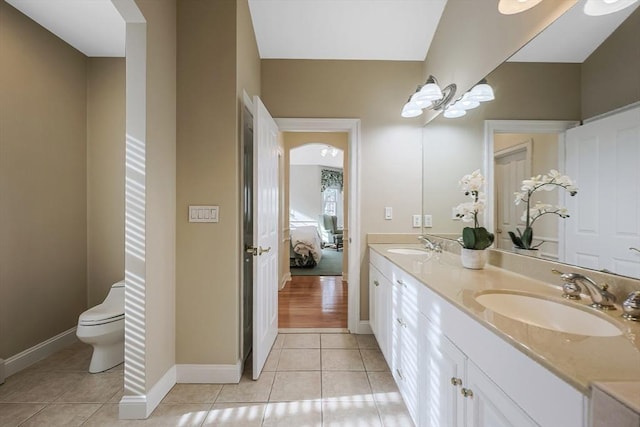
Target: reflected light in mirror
point(510, 7)
point(605, 7)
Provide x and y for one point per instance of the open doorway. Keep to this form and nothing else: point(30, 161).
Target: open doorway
point(316, 201)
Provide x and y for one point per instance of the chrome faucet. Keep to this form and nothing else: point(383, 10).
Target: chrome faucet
point(430, 245)
point(600, 297)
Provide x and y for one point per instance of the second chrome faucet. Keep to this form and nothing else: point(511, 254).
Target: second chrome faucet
point(601, 298)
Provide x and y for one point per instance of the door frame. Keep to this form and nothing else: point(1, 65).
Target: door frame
point(526, 147)
point(492, 127)
point(352, 128)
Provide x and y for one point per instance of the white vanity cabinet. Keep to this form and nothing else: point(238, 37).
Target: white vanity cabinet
point(452, 371)
point(379, 308)
point(404, 350)
point(393, 306)
point(455, 392)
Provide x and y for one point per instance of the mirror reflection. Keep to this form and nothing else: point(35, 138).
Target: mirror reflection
point(580, 117)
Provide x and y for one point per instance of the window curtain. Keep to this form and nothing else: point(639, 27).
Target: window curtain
point(330, 179)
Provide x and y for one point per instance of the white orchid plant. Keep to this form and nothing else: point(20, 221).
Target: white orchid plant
point(524, 239)
point(475, 237)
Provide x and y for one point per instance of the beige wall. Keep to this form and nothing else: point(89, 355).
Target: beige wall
point(611, 75)
point(43, 202)
point(297, 139)
point(160, 244)
point(105, 175)
point(218, 58)
point(390, 155)
point(454, 147)
point(473, 38)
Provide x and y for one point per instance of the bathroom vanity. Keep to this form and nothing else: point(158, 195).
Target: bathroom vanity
point(458, 362)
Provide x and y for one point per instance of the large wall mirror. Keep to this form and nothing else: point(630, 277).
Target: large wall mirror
point(545, 101)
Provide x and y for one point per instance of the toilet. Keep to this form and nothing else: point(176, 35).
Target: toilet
point(103, 327)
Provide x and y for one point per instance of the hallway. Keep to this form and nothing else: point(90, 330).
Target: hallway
point(313, 302)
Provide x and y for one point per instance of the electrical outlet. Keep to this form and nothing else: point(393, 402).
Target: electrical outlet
point(454, 214)
point(388, 212)
point(428, 221)
point(417, 221)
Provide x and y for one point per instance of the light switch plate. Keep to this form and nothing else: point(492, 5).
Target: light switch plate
point(204, 213)
point(416, 221)
point(428, 221)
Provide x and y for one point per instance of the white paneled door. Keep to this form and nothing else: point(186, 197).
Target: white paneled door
point(511, 167)
point(265, 235)
point(603, 157)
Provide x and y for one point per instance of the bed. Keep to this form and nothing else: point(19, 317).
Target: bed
point(306, 247)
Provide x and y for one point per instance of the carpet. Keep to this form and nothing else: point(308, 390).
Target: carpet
point(330, 265)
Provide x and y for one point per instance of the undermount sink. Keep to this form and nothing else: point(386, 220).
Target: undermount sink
point(548, 314)
point(408, 251)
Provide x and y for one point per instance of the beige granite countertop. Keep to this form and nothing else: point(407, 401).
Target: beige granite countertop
point(626, 392)
point(580, 360)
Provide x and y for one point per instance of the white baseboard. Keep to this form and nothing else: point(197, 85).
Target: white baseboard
point(140, 407)
point(209, 374)
point(38, 352)
point(364, 327)
point(285, 279)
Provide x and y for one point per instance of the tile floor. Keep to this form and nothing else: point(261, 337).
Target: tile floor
point(310, 379)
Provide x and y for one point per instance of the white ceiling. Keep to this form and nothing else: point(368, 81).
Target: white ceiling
point(397, 30)
point(572, 37)
point(94, 27)
point(328, 29)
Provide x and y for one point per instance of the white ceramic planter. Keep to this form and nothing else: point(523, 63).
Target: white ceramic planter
point(473, 259)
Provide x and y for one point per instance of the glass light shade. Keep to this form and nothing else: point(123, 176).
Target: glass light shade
point(453, 111)
point(481, 92)
point(420, 102)
point(410, 109)
point(605, 7)
point(429, 92)
point(510, 7)
point(466, 103)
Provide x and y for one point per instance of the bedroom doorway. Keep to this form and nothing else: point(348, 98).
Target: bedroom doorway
point(316, 192)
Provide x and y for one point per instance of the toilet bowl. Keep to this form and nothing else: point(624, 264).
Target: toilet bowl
point(103, 328)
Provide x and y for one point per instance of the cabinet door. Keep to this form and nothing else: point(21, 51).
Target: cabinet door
point(374, 285)
point(409, 356)
point(442, 372)
point(488, 405)
point(383, 316)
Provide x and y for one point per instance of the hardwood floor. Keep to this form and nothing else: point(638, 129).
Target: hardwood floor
point(313, 302)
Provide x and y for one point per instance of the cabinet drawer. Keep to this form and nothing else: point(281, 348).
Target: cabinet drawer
point(383, 265)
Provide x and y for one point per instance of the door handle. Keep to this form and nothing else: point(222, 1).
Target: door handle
point(256, 251)
point(263, 250)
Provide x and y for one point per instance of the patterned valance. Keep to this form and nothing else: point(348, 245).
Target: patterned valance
point(330, 179)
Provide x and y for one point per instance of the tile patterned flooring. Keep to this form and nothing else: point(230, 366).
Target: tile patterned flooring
point(309, 380)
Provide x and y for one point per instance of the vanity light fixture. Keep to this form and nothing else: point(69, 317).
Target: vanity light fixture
point(411, 109)
point(482, 92)
point(511, 7)
point(605, 7)
point(454, 111)
point(428, 96)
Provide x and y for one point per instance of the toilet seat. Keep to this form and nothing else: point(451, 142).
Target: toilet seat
point(99, 315)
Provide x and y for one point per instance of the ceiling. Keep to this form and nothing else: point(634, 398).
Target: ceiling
point(328, 29)
point(93, 27)
point(396, 30)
